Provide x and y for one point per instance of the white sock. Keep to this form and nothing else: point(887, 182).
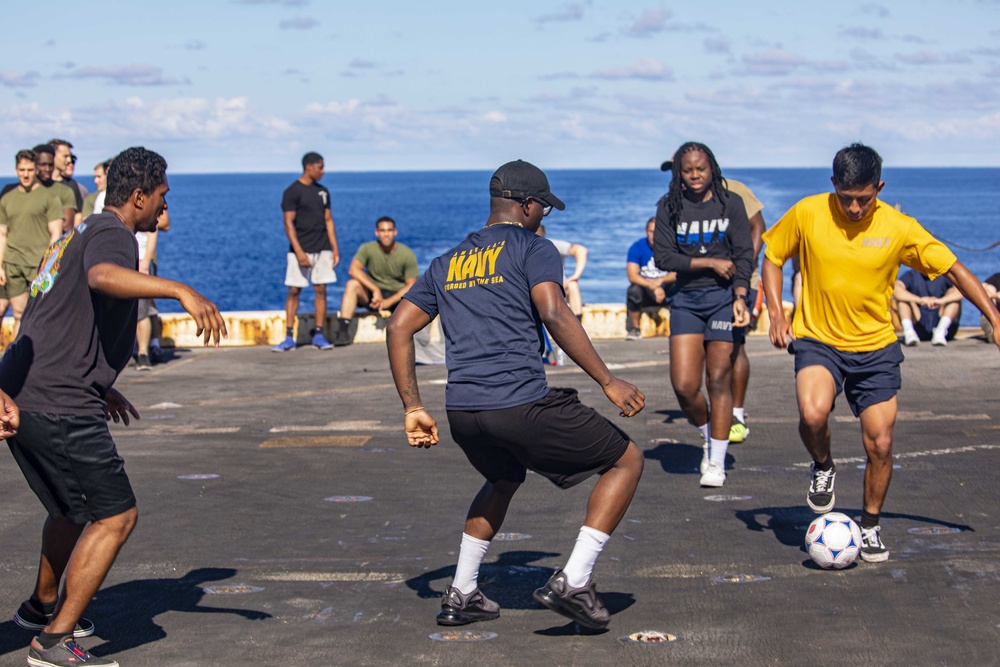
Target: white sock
point(942, 328)
point(470, 556)
point(704, 430)
point(908, 327)
point(580, 566)
point(717, 452)
point(740, 414)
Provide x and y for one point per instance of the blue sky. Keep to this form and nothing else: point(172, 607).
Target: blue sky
point(250, 85)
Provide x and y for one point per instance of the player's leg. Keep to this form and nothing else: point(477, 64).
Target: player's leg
point(89, 564)
point(687, 365)
point(143, 334)
point(316, 334)
point(291, 308)
point(354, 293)
point(815, 390)
point(877, 424)
point(633, 309)
point(738, 432)
point(718, 382)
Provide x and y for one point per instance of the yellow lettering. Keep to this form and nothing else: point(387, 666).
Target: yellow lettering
point(454, 267)
point(491, 258)
point(469, 267)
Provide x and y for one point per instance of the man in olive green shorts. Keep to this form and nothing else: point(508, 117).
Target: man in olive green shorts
point(31, 219)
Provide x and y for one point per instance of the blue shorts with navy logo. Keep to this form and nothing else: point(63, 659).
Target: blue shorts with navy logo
point(866, 378)
point(707, 311)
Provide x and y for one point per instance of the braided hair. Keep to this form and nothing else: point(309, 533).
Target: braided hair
point(676, 191)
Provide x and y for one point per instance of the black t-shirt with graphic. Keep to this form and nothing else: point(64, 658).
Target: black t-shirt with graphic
point(73, 341)
point(493, 333)
point(705, 229)
point(310, 204)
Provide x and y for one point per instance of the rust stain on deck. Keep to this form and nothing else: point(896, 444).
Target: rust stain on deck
point(317, 441)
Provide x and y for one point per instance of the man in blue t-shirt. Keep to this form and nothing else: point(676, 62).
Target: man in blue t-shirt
point(493, 292)
point(928, 309)
point(647, 284)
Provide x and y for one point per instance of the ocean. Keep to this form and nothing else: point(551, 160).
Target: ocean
point(227, 238)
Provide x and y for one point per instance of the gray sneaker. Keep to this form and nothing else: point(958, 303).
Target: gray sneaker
point(460, 609)
point(30, 618)
point(66, 653)
point(583, 605)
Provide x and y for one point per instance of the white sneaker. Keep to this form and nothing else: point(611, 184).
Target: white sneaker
point(910, 338)
point(938, 338)
point(705, 461)
point(713, 476)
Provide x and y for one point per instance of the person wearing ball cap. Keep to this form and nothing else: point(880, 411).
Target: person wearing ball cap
point(494, 292)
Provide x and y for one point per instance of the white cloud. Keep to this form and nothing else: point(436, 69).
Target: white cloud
point(124, 75)
point(298, 23)
point(646, 69)
point(571, 12)
point(18, 79)
point(650, 22)
point(933, 58)
point(495, 117)
point(773, 62)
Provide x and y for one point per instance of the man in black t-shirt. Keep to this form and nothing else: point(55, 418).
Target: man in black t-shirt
point(312, 251)
point(76, 336)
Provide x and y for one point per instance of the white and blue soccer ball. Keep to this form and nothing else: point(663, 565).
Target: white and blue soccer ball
point(833, 541)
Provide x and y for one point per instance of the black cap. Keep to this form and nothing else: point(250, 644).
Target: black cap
point(667, 166)
point(520, 180)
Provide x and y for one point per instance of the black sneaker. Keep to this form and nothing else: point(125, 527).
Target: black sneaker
point(583, 605)
point(872, 549)
point(820, 497)
point(459, 609)
point(66, 653)
point(30, 618)
point(142, 363)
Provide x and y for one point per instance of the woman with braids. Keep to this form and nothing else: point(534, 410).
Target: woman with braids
point(703, 234)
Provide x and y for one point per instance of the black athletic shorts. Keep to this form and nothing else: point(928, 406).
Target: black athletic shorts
point(71, 464)
point(557, 436)
point(867, 378)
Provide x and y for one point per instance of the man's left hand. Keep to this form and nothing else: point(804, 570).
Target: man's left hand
point(10, 416)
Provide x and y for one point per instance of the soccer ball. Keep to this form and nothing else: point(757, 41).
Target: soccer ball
point(833, 541)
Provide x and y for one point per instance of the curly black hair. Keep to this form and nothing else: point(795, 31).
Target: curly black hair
point(134, 169)
point(676, 191)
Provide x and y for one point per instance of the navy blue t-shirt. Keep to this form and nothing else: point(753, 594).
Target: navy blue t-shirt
point(493, 334)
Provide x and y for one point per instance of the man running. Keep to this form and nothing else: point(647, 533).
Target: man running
point(494, 291)
point(76, 336)
point(850, 246)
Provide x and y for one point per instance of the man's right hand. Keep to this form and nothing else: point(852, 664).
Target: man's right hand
point(206, 316)
point(660, 294)
point(10, 416)
point(376, 301)
point(626, 396)
point(303, 258)
point(421, 429)
point(781, 331)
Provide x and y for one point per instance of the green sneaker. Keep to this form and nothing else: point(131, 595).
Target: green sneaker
point(739, 431)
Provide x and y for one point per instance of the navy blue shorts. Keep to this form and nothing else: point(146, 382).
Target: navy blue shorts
point(706, 311)
point(557, 437)
point(866, 378)
point(71, 464)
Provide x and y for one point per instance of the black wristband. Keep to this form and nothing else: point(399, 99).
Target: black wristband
point(743, 297)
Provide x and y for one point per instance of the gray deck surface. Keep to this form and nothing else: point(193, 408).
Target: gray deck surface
point(316, 582)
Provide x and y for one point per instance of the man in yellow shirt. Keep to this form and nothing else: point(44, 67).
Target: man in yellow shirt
point(850, 246)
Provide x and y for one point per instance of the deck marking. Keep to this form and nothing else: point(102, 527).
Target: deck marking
point(385, 577)
point(915, 455)
point(317, 441)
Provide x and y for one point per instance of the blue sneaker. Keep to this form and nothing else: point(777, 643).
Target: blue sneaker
point(320, 341)
point(285, 345)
